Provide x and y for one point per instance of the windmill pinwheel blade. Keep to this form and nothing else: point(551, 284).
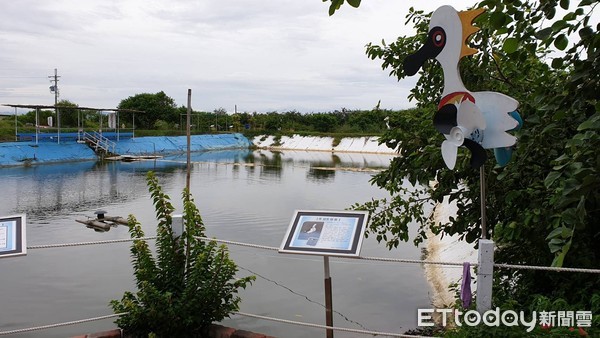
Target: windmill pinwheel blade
point(445, 118)
point(478, 155)
point(449, 153)
point(469, 116)
point(503, 155)
point(497, 139)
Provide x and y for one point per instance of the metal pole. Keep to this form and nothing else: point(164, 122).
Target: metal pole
point(78, 125)
point(118, 121)
point(37, 124)
point(54, 78)
point(485, 256)
point(16, 127)
point(482, 202)
point(328, 298)
point(189, 140)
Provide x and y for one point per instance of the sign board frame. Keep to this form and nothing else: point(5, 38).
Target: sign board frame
point(13, 235)
point(325, 233)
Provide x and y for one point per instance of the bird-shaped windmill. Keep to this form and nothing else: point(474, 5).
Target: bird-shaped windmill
point(475, 120)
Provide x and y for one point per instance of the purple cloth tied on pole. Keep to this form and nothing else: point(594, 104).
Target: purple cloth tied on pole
point(465, 287)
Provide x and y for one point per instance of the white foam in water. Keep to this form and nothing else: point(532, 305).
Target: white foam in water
point(447, 249)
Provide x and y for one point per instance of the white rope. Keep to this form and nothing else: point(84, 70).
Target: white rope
point(380, 259)
point(546, 268)
point(51, 326)
point(412, 261)
point(417, 261)
point(110, 241)
point(285, 321)
point(256, 246)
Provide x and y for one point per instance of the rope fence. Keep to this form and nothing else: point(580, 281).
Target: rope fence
point(279, 320)
point(51, 326)
point(417, 261)
point(270, 248)
point(110, 241)
point(379, 259)
point(318, 326)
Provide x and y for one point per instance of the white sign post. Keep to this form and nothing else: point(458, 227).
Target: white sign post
point(326, 233)
point(13, 236)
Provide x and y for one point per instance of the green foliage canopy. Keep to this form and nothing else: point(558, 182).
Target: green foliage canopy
point(544, 206)
point(157, 106)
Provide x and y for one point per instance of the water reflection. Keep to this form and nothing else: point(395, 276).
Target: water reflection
point(318, 173)
point(270, 164)
point(50, 190)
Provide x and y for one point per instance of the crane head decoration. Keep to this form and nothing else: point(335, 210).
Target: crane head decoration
point(475, 120)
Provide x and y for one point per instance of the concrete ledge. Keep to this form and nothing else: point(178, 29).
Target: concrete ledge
point(116, 333)
point(214, 331)
point(365, 144)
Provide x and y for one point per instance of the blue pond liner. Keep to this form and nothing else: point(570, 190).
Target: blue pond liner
point(29, 153)
point(161, 145)
point(24, 153)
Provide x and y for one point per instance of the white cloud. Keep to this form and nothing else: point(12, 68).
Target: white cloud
point(261, 55)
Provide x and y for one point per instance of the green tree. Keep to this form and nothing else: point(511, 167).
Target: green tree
point(187, 286)
point(543, 208)
point(29, 117)
point(220, 119)
point(68, 113)
point(322, 122)
point(155, 107)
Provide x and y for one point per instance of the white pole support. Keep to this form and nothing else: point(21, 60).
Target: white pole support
point(485, 275)
point(177, 225)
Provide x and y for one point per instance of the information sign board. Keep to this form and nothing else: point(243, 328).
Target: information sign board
point(325, 233)
point(12, 236)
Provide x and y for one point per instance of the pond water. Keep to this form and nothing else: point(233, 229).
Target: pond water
point(243, 195)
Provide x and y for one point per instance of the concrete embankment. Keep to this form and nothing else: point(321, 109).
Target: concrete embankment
point(368, 144)
point(30, 153)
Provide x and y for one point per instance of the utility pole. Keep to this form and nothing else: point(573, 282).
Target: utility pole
point(54, 89)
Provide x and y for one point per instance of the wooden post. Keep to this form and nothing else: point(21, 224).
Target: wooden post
point(485, 275)
point(16, 126)
point(189, 140)
point(328, 298)
point(37, 124)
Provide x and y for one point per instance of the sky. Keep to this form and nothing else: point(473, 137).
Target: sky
point(258, 55)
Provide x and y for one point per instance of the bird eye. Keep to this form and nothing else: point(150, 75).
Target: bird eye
point(438, 37)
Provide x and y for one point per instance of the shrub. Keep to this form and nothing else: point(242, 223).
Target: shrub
point(187, 286)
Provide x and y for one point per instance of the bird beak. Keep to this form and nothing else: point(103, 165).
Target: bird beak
point(466, 19)
point(415, 61)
